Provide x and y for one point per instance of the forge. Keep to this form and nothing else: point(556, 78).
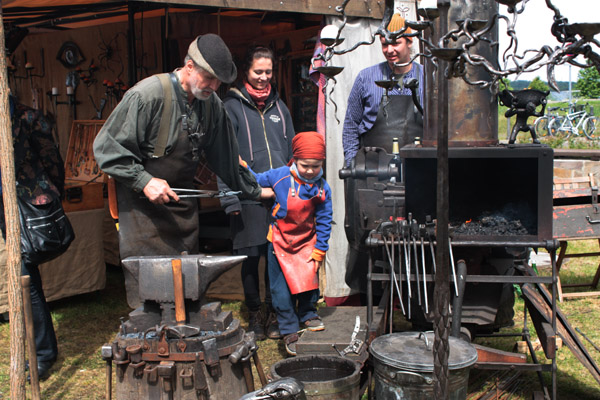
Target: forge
point(497, 193)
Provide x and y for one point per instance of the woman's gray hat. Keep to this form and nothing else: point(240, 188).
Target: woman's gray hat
point(211, 53)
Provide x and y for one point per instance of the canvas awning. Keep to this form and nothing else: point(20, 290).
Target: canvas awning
point(69, 14)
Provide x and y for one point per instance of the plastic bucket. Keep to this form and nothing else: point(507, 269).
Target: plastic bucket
point(403, 366)
point(324, 377)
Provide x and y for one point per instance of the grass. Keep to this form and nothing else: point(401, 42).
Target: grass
point(573, 380)
point(574, 142)
point(84, 323)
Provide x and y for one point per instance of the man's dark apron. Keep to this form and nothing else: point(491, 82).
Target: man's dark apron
point(396, 117)
point(148, 229)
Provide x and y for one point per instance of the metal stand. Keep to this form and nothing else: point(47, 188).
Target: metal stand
point(376, 240)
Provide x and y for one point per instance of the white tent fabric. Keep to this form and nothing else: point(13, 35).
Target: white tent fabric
point(337, 94)
point(354, 31)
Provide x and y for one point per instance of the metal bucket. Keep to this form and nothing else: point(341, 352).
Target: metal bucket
point(324, 377)
point(403, 364)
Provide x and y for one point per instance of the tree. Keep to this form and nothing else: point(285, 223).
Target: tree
point(505, 84)
point(588, 83)
point(538, 84)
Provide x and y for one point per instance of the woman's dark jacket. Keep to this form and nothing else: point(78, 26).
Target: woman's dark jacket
point(264, 137)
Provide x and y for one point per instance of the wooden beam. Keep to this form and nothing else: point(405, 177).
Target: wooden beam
point(13, 235)
point(363, 8)
point(490, 355)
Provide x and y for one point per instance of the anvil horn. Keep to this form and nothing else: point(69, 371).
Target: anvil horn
point(212, 267)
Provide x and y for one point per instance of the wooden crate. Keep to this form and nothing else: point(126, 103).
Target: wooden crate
point(84, 181)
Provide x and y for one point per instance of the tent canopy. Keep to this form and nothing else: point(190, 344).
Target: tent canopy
point(68, 14)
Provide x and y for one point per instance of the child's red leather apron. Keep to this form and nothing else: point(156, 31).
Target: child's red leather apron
point(294, 238)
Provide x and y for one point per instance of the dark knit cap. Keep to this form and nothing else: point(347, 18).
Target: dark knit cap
point(211, 53)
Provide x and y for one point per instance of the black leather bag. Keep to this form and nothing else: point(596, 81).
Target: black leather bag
point(46, 232)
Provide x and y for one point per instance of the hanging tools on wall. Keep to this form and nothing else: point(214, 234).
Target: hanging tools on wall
point(71, 100)
point(29, 67)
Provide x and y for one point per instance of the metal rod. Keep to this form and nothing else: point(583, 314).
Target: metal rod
point(554, 329)
point(458, 299)
point(534, 358)
point(441, 348)
point(394, 279)
point(432, 255)
point(414, 246)
point(588, 339)
point(390, 262)
point(548, 244)
point(424, 277)
point(452, 266)
point(370, 291)
point(400, 275)
point(408, 281)
point(479, 278)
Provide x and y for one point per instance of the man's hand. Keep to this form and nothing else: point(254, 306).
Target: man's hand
point(158, 191)
point(267, 193)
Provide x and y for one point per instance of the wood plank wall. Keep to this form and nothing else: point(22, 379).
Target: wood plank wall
point(106, 46)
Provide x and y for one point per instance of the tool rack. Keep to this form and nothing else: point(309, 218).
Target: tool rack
point(378, 239)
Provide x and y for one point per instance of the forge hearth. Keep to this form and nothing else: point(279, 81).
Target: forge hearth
point(490, 225)
point(505, 192)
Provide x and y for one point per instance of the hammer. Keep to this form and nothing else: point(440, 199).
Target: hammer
point(181, 327)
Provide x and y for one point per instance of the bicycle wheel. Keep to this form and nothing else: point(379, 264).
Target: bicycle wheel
point(591, 127)
point(541, 126)
point(560, 127)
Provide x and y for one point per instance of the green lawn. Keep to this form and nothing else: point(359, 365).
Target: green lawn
point(580, 142)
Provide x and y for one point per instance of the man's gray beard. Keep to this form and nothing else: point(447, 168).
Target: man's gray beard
point(197, 93)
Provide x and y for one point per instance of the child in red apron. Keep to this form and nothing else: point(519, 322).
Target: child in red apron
point(298, 236)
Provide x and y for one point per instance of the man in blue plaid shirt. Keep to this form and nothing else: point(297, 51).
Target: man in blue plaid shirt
point(363, 117)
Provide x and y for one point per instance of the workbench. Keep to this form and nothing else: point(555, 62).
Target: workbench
point(81, 269)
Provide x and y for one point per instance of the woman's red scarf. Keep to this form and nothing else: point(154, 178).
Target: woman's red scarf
point(258, 95)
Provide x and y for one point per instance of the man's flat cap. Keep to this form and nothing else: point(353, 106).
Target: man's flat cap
point(212, 54)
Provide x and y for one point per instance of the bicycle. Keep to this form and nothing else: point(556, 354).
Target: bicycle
point(542, 123)
point(575, 123)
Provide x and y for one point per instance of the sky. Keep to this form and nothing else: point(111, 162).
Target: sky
point(533, 30)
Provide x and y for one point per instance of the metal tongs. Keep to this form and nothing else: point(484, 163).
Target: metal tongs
point(204, 193)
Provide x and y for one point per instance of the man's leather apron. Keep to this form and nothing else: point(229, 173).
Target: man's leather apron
point(148, 229)
point(396, 117)
point(294, 238)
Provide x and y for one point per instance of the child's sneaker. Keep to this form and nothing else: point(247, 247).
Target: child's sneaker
point(314, 324)
point(290, 343)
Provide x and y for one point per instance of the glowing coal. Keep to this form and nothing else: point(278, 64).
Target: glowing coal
point(489, 224)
